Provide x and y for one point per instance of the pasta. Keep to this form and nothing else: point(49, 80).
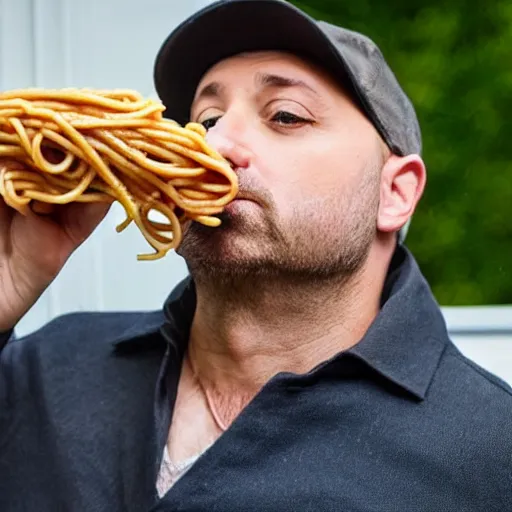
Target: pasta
point(88, 145)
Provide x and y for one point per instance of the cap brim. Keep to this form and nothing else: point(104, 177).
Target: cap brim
point(224, 29)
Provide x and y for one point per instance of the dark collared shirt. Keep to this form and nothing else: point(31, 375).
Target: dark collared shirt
point(400, 422)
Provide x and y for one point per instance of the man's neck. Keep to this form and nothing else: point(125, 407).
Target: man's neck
point(245, 333)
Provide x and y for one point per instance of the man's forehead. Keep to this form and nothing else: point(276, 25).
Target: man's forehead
point(258, 63)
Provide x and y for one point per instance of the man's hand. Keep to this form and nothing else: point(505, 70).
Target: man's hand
point(35, 247)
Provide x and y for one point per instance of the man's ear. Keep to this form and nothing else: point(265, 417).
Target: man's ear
point(403, 181)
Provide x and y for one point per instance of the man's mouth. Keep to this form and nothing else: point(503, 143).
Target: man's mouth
point(246, 195)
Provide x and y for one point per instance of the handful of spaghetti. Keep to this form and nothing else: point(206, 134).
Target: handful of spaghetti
point(103, 145)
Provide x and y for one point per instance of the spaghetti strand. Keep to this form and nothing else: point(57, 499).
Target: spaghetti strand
point(59, 146)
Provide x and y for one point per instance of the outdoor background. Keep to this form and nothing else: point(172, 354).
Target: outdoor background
point(454, 59)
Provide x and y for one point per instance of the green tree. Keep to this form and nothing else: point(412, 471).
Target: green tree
point(454, 60)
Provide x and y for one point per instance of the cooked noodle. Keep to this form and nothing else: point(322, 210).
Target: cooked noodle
point(83, 145)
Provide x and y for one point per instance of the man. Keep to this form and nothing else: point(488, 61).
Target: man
point(304, 365)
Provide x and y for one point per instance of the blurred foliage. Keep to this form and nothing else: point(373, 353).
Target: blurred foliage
point(454, 60)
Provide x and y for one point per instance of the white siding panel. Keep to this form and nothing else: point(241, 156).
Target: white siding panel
point(484, 334)
point(492, 352)
point(16, 44)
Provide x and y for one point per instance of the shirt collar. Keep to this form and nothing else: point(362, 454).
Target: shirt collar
point(146, 326)
point(169, 326)
point(406, 341)
point(404, 344)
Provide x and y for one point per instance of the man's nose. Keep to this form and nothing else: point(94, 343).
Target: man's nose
point(228, 137)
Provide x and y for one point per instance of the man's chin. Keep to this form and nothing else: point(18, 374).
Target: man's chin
point(242, 243)
point(220, 249)
point(234, 231)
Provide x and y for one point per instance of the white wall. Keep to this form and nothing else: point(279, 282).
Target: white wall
point(113, 43)
point(484, 334)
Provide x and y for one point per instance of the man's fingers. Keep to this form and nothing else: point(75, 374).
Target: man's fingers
point(80, 219)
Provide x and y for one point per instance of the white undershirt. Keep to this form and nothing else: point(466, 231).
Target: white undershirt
point(170, 472)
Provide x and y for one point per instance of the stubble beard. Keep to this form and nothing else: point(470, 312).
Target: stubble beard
point(246, 254)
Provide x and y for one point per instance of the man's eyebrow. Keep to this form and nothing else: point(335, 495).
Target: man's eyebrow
point(263, 80)
point(271, 80)
point(211, 90)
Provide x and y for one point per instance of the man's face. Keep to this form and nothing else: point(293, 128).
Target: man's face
point(308, 164)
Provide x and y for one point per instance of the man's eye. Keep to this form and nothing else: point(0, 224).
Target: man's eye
point(283, 117)
point(210, 122)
